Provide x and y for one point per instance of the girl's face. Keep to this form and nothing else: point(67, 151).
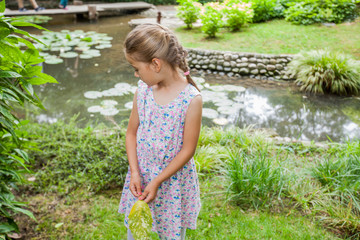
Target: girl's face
point(144, 71)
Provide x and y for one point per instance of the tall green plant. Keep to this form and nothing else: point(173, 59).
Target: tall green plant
point(19, 71)
point(211, 18)
point(322, 72)
point(188, 11)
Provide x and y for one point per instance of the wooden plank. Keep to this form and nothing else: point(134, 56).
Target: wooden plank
point(78, 9)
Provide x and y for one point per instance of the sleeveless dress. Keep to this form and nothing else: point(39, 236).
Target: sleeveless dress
point(159, 139)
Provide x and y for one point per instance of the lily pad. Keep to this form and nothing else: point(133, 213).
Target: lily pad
point(210, 113)
point(221, 121)
point(111, 111)
point(140, 220)
point(53, 60)
point(68, 54)
point(234, 88)
point(112, 92)
point(93, 94)
point(129, 105)
point(109, 103)
point(85, 56)
point(94, 109)
point(227, 110)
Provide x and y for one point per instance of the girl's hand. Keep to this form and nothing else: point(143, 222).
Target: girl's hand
point(150, 192)
point(135, 184)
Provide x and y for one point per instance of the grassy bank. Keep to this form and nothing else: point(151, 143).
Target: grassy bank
point(252, 187)
point(279, 37)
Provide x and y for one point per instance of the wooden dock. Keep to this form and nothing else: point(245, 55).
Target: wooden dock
point(89, 9)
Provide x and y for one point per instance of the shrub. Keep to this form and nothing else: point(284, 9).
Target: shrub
point(188, 11)
point(18, 73)
point(264, 10)
point(73, 158)
point(313, 11)
point(237, 14)
point(211, 18)
point(321, 71)
point(254, 178)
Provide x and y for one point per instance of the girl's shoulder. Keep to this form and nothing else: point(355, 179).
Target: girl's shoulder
point(192, 91)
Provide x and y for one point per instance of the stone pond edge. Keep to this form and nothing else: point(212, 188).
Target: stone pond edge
point(241, 64)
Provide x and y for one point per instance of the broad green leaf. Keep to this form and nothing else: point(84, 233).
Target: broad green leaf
point(23, 154)
point(4, 30)
point(28, 87)
point(26, 212)
point(2, 6)
point(31, 56)
point(31, 71)
point(6, 228)
point(140, 221)
point(9, 74)
point(18, 23)
point(42, 78)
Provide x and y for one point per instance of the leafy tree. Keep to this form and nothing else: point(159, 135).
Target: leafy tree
point(19, 71)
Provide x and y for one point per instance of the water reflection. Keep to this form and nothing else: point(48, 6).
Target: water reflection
point(265, 104)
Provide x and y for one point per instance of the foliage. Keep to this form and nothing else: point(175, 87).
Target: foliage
point(264, 10)
point(322, 71)
point(188, 11)
point(73, 158)
point(211, 18)
point(339, 174)
point(313, 11)
point(255, 179)
point(237, 14)
point(19, 71)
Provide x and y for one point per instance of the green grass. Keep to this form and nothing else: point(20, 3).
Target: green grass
point(278, 37)
point(78, 216)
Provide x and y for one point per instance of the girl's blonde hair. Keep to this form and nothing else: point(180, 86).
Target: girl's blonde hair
point(148, 41)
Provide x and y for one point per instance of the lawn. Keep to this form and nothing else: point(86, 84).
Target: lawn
point(278, 37)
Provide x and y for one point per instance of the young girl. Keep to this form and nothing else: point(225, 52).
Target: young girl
point(162, 134)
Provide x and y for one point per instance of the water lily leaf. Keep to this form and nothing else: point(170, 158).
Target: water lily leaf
point(68, 54)
point(224, 102)
point(227, 110)
point(123, 86)
point(93, 94)
point(112, 92)
point(234, 88)
point(221, 121)
point(85, 56)
point(109, 111)
point(53, 60)
point(129, 105)
point(140, 220)
point(209, 113)
point(94, 109)
point(109, 103)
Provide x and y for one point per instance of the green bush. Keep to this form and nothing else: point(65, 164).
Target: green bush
point(255, 179)
point(314, 11)
point(19, 71)
point(211, 18)
point(264, 10)
point(188, 11)
point(237, 14)
point(73, 158)
point(321, 71)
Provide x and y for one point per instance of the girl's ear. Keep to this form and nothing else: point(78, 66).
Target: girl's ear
point(156, 64)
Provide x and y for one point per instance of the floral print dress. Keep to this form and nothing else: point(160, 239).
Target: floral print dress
point(159, 139)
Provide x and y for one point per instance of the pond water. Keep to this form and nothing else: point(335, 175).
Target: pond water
point(262, 104)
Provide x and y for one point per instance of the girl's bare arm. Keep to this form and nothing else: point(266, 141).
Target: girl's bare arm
point(130, 142)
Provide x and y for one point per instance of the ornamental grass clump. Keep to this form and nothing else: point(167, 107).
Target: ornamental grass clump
point(255, 179)
point(188, 11)
point(237, 14)
point(322, 72)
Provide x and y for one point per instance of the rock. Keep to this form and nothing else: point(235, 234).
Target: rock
point(263, 71)
point(261, 66)
point(233, 64)
point(241, 65)
point(212, 66)
point(266, 61)
point(279, 67)
point(221, 73)
point(270, 67)
point(252, 60)
point(244, 59)
point(234, 56)
point(244, 71)
point(226, 64)
point(254, 71)
point(272, 61)
point(219, 68)
point(252, 65)
point(227, 69)
point(227, 56)
point(235, 70)
point(230, 74)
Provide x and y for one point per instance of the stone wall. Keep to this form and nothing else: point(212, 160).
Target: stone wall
point(253, 65)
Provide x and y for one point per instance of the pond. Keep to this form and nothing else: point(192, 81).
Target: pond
point(249, 102)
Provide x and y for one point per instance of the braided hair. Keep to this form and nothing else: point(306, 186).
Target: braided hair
point(148, 41)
